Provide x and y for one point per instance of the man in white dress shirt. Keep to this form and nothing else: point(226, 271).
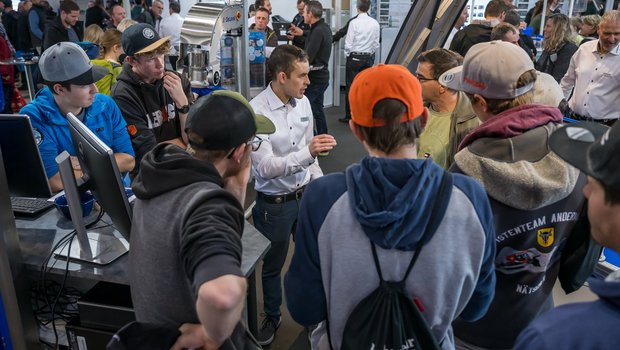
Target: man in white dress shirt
point(593, 76)
point(171, 26)
point(283, 165)
point(360, 45)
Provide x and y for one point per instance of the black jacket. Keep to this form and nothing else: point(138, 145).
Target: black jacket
point(96, 15)
point(9, 20)
point(469, 36)
point(149, 111)
point(300, 41)
point(55, 32)
point(147, 17)
point(556, 63)
point(319, 48)
point(24, 42)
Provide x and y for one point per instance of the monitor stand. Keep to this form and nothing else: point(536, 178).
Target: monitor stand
point(90, 247)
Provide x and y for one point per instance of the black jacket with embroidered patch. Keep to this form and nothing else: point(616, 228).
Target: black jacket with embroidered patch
point(149, 111)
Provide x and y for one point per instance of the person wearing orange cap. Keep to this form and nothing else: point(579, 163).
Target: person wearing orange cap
point(394, 204)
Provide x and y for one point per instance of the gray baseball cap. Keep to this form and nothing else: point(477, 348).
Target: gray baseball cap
point(491, 70)
point(66, 62)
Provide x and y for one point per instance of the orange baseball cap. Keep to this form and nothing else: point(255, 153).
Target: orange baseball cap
point(380, 82)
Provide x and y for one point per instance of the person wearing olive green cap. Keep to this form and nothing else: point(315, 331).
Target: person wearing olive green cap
point(185, 256)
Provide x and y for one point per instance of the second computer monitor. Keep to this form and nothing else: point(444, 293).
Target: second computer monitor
point(101, 174)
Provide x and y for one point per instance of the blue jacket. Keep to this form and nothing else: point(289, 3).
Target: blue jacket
point(389, 202)
point(51, 128)
point(579, 326)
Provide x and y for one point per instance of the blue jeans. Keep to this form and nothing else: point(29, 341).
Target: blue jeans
point(314, 93)
point(276, 222)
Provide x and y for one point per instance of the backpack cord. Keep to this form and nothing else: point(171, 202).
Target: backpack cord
point(424, 240)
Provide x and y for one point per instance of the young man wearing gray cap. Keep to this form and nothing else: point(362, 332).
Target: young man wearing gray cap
point(592, 148)
point(185, 257)
point(154, 101)
point(536, 197)
point(70, 78)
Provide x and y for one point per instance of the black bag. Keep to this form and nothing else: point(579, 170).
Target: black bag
point(388, 318)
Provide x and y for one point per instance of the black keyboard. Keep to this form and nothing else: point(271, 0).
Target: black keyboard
point(29, 206)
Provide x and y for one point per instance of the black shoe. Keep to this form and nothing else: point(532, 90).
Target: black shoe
point(344, 120)
point(267, 331)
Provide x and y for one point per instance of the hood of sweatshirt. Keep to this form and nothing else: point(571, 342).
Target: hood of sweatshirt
point(394, 199)
point(510, 155)
point(609, 289)
point(167, 167)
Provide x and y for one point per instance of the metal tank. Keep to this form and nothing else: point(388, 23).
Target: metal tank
point(211, 44)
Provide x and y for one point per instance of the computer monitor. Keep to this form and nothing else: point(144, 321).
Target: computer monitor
point(102, 178)
point(22, 162)
point(281, 27)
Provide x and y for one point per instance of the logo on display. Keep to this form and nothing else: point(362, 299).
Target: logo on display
point(238, 16)
point(148, 33)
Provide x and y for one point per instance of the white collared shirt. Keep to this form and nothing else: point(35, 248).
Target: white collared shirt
point(283, 163)
point(171, 26)
point(362, 35)
point(595, 77)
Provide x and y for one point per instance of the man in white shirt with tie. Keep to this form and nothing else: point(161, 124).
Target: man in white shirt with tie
point(593, 75)
point(360, 45)
point(283, 165)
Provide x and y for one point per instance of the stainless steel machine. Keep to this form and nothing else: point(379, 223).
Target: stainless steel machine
point(212, 45)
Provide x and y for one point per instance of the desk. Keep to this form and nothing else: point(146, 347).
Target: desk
point(37, 237)
point(28, 69)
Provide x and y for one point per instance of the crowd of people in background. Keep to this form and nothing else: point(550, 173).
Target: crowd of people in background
point(467, 137)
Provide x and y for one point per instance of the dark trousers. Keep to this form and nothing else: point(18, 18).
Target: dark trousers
point(276, 222)
point(7, 90)
point(314, 93)
point(355, 64)
point(173, 61)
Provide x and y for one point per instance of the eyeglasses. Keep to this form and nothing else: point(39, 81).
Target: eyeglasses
point(422, 78)
point(255, 144)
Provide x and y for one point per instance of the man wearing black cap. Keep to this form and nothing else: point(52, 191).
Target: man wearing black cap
point(70, 78)
point(593, 149)
point(185, 255)
point(154, 102)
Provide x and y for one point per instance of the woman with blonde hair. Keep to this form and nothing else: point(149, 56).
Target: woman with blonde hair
point(589, 28)
point(111, 50)
point(92, 38)
point(126, 23)
point(558, 46)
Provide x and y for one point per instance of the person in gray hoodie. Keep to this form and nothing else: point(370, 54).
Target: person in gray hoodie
point(390, 199)
point(185, 257)
point(536, 197)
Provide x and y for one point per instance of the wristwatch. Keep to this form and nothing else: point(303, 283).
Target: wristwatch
point(183, 109)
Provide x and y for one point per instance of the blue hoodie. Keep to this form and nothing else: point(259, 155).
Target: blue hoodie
point(391, 202)
point(579, 326)
point(51, 128)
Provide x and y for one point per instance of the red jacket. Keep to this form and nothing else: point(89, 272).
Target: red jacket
point(8, 77)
